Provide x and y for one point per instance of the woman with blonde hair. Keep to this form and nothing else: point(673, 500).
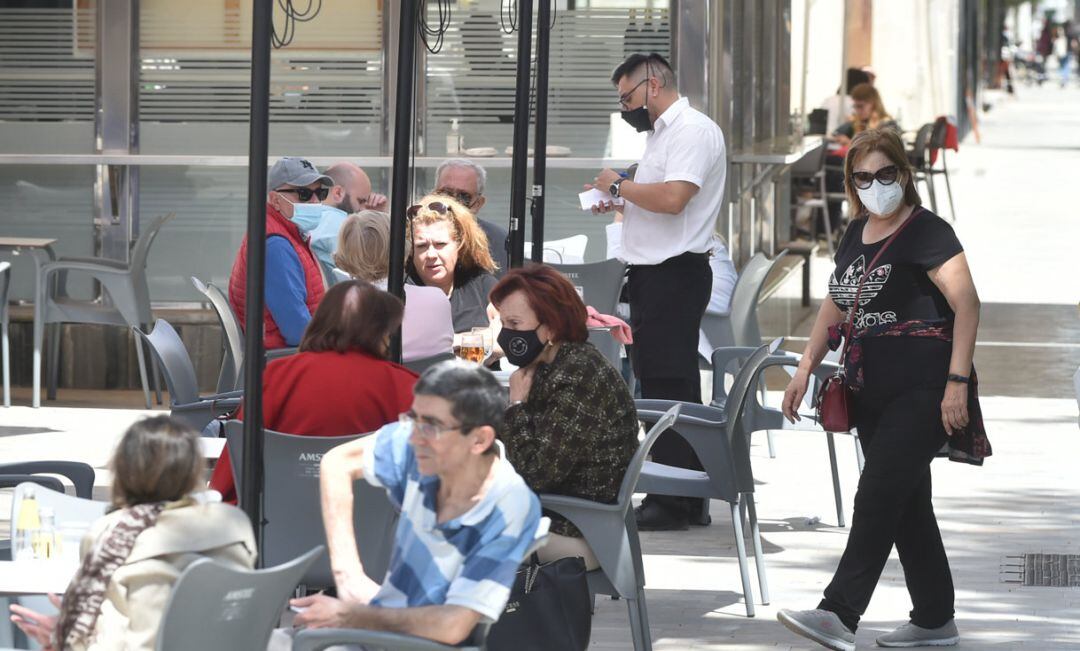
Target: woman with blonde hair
point(449, 250)
point(363, 253)
point(158, 526)
point(903, 299)
point(868, 112)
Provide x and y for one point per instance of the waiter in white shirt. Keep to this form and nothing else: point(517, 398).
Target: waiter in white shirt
point(669, 223)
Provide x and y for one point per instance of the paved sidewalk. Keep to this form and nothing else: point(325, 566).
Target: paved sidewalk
point(1017, 219)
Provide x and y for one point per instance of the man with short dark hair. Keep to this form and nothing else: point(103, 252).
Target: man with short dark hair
point(467, 518)
point(464, 180)
point(293, 282)
point(669, 222)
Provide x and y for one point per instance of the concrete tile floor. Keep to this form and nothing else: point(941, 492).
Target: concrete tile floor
point(1014, 195)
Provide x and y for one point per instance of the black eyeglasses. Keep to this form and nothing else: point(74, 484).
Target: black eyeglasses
point(623, 99)
point(461, 196)
point(884, 176)
point(305, 194)
point(435, 206)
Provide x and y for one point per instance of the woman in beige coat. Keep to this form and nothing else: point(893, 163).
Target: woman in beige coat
point(132, 556)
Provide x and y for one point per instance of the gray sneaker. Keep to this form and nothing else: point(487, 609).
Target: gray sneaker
point(910, 635)
point(821, 626)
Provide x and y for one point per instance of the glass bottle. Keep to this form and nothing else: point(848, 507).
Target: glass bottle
point(27, 525)
point(47, 543)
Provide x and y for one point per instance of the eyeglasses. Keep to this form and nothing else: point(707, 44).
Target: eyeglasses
point(305, 194)
point(462, 197)
point(426, 430)
point(624, 98)
point(884, 176)
point(435, 206)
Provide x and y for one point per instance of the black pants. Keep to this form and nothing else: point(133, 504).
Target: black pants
point(667, 302)
point(900, 436)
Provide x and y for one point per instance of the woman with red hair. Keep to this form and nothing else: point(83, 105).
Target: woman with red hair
point(571, 427)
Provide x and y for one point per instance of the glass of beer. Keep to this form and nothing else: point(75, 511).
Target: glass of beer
point(485, 333)
point(472, 347)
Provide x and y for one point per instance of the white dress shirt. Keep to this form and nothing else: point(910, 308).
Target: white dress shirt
point(685, 145)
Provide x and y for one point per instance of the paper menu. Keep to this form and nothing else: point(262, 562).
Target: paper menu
point(590, 198)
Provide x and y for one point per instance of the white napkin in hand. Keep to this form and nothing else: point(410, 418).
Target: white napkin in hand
point(590, 198)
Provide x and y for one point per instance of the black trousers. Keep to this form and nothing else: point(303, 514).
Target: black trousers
point(667, 302)
point(900, 435)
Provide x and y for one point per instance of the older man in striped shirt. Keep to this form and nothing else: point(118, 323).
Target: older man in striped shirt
point(467, 518)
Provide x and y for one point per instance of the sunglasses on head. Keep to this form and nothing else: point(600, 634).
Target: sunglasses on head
point(884, 176)
point(461, 196)
point(435, 206)
point(305, 194)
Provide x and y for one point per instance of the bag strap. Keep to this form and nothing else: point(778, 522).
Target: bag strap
point(862, 281)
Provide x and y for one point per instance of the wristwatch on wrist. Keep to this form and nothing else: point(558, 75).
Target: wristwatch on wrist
point(614, 189)
point(963, 379)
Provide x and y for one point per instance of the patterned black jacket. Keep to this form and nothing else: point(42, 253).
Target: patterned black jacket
point(577, 431)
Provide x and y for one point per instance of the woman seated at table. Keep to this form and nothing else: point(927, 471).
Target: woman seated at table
point(363, 253)
point(571, 427)
point(450, 251)
point(340, 382)
point(868, 112)
point(132, 556)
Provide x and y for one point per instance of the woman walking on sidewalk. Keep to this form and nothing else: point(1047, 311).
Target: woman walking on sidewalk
point(908, 363)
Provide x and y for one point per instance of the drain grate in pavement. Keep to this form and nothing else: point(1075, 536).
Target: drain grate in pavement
point(1042, 570)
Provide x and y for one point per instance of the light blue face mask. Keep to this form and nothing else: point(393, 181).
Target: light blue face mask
point(321, 223)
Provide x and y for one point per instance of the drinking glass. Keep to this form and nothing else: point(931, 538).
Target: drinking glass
point(472, 347)
point(485, 334)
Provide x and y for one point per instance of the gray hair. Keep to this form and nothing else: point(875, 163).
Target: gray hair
point(463, 163)
point(475, 396)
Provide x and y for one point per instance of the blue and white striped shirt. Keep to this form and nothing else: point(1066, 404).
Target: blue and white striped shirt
point(469, 561)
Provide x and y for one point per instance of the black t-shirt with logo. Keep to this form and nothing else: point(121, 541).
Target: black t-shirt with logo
point(897, 289)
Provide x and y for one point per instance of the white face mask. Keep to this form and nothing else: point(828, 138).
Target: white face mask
point(882, 200)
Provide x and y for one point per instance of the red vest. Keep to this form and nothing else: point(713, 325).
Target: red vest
point(276, 224)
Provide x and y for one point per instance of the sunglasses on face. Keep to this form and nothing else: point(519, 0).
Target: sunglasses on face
point(305, 194)
point(461, 196)
point(435, 206)
point(884, 176)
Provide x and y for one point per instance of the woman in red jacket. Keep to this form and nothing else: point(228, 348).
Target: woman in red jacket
point(340, 382)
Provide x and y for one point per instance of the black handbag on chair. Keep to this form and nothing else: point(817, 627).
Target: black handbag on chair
point(549, 609)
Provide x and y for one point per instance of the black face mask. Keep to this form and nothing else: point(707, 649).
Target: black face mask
point(638, 118)
point(521, 347)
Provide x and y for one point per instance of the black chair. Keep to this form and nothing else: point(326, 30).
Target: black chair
point(80, 474)
point(919, 157)
point(937, 143)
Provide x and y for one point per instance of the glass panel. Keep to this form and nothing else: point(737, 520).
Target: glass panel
point(47, 80)
point(325, 101)
point(47, 107)
point(472, 80)
point(47, 201)
point(211, 207)
point(325, 92)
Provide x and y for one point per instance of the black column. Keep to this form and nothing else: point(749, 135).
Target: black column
point(519, 167)
point(543, 37)
point(400, 190)
point(251, 486)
